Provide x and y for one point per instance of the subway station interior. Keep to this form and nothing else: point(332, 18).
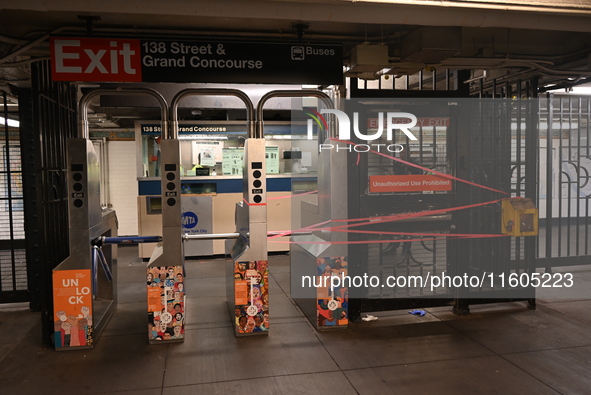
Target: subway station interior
point(281, 197)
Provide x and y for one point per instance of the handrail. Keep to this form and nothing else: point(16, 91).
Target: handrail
point(250, 115)
point(83, 130)
point(290, 93)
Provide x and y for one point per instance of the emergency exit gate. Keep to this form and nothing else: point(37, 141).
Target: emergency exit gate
point(537, 148)
point(490, 143)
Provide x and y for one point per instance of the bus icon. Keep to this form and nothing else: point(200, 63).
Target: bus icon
point(297, 53)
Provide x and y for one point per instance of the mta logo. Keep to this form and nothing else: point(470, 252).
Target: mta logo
point(189, 220)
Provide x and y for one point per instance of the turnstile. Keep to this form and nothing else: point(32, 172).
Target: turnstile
point(85, 283)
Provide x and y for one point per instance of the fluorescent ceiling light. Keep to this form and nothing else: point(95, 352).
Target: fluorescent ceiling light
point(10, 122)
point(581, 90)
point(575, 90)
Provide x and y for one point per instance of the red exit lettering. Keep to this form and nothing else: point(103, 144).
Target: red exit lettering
point(96, 59)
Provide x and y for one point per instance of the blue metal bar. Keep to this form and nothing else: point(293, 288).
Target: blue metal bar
point(94, 271)
point(131, 240)
point(103, 261)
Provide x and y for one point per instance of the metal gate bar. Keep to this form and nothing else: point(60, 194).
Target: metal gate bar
point(13, 273)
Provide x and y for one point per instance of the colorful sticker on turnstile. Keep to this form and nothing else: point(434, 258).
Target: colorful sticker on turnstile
point(166, 303)
point(332, 297)
point(251, 290)
point(72, 307)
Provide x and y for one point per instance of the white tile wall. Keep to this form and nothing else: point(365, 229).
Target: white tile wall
point(123, 185)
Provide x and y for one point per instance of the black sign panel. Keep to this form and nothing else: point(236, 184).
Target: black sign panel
point(235, 62)
point(153, 60)
point(148, 129)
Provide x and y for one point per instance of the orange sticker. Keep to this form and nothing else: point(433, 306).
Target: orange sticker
point(241, 292)
point(72, 291)
point(154, 299)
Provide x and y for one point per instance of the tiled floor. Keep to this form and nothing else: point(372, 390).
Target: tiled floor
point(500, 348)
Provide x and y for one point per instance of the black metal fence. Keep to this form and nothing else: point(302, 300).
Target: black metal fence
point(511, 141)
point(565, 180)
point(48, 119)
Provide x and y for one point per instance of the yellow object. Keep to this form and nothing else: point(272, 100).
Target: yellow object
point(519, 217)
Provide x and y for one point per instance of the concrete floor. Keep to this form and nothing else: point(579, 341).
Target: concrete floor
point(498, 349)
